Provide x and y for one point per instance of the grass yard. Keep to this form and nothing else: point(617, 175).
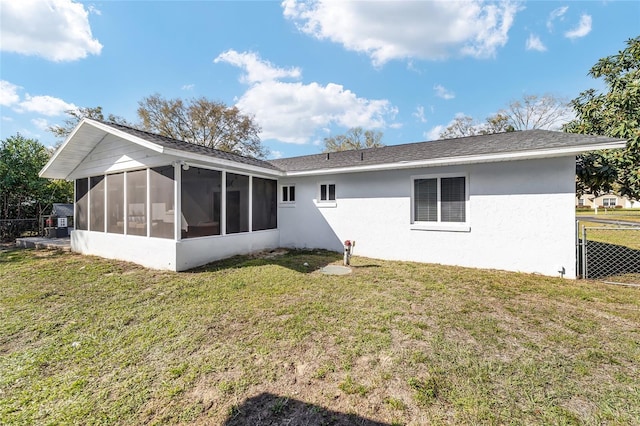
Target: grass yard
point(628, 215)
point(618, 235)
point(271, 341)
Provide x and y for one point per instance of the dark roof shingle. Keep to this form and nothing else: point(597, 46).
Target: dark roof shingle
point(499, 143)
point(191, 147)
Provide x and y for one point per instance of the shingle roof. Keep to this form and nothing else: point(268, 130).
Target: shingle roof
point(191, 147)
point(500, 143)
point(60, 209)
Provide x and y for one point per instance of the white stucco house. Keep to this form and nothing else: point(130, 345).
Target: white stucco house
point(503, 201)
point(606, 201)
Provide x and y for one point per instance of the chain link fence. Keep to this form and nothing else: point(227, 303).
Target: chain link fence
point(13, 228)
point(610, 253)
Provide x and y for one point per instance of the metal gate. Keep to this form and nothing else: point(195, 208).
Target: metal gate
point(609, 253)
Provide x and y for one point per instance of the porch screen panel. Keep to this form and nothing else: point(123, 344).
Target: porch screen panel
point(425, 203)
point(201, 190)
point(137, 202)
point(161, 190)
point(96, 222)
point(237, 203)
point(115, 203)
point(264, 204)
point(452, 199)
point(82, 204)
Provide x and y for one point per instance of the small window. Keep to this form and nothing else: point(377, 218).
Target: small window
point(609, 202)
point(288, 193)
point(327, 192)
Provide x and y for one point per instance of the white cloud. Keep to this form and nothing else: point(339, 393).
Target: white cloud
point(423, 30)
point(534, 43)
point(56, 30)
point(294, 112)
point(443, 93)
point(276, 154)
point(434, 133)
point(556, 14)
point(188, 86)
point(419, 114)
point(256, 69)
point(583, 28)
point(40, 123)
point(8, 93)
point(45, 105)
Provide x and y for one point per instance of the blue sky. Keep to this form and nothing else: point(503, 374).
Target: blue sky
point(305, 70)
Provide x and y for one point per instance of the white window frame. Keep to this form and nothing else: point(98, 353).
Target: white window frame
point(606, 202)
point(327, 203)
point(439, 225)
point(289, 202)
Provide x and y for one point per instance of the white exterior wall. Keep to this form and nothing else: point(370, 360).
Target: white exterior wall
point(521, 217)
point(171, 255)
point(194, 252)
point(156, 253)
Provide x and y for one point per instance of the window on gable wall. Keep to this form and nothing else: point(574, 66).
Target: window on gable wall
point(327, 192)
point(439, 199)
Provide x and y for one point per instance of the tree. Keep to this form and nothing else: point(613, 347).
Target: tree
point(615, 113)
point(464, 125)
point(537, 112)
point(24, 193)
point(76, 115)
point(354, 138)
point(203, 122)
point(530, 112)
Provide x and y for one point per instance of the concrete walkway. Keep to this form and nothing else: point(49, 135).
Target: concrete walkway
point(44, 243)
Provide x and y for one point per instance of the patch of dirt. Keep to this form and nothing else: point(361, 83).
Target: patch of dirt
point(7, 246)
point(269, 254)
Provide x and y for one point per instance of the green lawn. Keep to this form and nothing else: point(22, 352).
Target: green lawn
point(611, 234)
point(272, 341)
point(629, 215)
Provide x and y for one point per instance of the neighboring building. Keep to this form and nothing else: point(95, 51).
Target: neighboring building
point(503, 201)
point(608, 201)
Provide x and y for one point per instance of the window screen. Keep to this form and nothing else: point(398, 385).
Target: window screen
point(97, 203)
point(452, 198)
point(425, 200)
point(201, 189)
point(115, 203)
point(264, 204)
point(161, 184)
point(137, 202)
point(237, 203)
point(82, 203)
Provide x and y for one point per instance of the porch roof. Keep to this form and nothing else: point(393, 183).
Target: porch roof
point(89, 133)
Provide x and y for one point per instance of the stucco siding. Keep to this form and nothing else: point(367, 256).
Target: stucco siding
point(200, 251)
point(520, 217)
point(156, 253)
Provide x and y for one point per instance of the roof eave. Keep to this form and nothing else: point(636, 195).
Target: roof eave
point(44, 172)
point(49, 172)
point(227, 164)
point(469, 159)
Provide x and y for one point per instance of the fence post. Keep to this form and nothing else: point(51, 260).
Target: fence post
point(584, 252)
